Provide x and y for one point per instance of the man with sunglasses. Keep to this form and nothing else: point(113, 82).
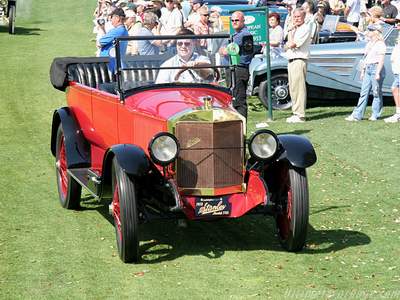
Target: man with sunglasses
point(242, 69)
point(186, 57)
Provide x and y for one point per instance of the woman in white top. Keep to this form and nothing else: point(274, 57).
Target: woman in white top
point(372, 75)
point(395, 59)
point(275, 34)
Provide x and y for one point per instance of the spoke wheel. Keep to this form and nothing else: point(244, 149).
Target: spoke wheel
point(125, 214)
point(279, 90)
point(11, 20)
point(69, 190)
point(292, 208)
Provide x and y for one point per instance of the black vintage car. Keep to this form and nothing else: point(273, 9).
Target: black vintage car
point(8, 9)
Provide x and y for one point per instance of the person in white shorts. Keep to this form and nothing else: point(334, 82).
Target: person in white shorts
point(395, 59)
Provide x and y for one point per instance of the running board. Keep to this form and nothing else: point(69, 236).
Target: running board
point(87, 179)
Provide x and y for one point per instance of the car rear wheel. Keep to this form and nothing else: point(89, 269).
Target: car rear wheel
point(124, 210)
point(69, 190)
point(11, 20)
point(279, 90)
point(292, 208)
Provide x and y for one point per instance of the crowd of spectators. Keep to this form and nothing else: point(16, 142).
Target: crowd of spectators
point(156, 17)
point(114, 18)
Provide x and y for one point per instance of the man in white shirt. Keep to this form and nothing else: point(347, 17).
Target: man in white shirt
point(297, 53)
point(194, 16)
point(186, 57)
point(352, 11)
point(171, 18)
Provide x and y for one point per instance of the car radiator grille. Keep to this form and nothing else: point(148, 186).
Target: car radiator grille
point(211, 154)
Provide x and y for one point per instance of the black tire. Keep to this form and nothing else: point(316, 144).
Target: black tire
point(280, 92)
point(11, 19)
point(292, 208)
point(125, 214)
point(69, 190)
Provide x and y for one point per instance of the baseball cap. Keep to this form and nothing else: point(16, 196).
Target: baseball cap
point(198, 2)
point(118, 12)
point(129, 13)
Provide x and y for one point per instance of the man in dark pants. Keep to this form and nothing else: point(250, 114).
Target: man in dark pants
point(242, 69)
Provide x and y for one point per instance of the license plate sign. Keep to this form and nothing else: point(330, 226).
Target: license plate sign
point(212, 207)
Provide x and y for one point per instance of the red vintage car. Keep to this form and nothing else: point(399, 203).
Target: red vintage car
point(177, 149)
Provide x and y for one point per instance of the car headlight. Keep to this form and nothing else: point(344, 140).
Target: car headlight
point(263, 144)
point(163, 148)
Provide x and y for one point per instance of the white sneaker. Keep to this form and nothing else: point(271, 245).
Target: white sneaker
point(372, 118)
point(351, 119)
point(295, 119)
point(393, 119)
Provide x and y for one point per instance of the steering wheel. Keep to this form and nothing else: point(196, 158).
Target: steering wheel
point(203, 73)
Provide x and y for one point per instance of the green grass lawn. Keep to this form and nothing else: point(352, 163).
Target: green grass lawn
point(353, 246)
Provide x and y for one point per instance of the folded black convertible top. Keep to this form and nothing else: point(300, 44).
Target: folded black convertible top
point(59, 69)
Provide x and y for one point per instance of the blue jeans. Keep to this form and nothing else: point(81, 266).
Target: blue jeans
point(370, 83)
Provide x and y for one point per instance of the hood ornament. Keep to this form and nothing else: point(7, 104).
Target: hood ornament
point(208, 102)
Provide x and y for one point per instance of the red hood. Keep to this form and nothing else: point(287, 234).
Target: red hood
point(166, 102)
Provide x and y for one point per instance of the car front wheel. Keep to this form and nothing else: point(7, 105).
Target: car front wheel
point(279, 90)
point(292, 208)
point(124, 210)
point(69, 190)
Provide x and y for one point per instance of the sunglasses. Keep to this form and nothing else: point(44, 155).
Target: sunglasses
point(187, 44)
point(235, 20)
point(205, 15)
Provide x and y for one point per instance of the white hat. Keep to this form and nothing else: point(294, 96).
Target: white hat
point(290, 2)
point(129, 13)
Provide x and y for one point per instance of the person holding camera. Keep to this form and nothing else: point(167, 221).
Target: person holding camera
point(106, 42)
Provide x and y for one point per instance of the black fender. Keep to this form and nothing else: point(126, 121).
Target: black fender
point(132, 159)
point(76, 147)
point(298, 150)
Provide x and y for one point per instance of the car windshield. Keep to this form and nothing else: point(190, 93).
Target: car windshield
point(187, 59)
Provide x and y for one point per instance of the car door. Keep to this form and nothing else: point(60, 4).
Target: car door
point(105, 112)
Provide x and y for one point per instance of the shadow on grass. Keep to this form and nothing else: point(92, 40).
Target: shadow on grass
point(22, 30)
point(326, 115)
point(296, 132)
point(165, 240)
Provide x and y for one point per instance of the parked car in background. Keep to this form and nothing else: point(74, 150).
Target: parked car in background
point(332, 72)
point(336, 30)
point(8, 10)
point(172, 149)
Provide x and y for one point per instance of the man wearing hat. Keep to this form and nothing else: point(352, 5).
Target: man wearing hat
point(106, 42)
